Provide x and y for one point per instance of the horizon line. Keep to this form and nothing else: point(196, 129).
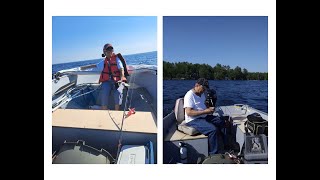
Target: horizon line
point(100, 57)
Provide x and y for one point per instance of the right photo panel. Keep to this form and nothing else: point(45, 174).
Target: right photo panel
point(215, 89)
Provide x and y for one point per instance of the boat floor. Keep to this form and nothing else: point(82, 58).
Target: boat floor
point(135, 97)
point(138, 96)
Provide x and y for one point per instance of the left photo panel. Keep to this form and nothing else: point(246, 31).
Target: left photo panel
point(104, 89)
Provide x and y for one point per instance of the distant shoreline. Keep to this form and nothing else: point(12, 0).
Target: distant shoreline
point(186, 70)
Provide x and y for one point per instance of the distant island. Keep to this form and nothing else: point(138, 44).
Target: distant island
point(189, 71)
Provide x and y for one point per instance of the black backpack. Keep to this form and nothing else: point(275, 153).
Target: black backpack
point(256, 124)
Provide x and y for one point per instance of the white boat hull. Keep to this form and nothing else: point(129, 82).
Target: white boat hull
point(73, 120)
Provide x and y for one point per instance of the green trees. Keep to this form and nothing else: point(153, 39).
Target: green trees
point(186, 70)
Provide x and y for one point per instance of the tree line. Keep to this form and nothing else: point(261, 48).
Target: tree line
point(186, 70)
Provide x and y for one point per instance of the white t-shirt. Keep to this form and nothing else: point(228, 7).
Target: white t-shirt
point(195, 102)
point(100, 64)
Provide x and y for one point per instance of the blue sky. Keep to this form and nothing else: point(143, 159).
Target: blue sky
point(77, 38)
point(228, 40)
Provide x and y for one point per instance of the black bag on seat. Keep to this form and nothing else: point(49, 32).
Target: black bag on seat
point(256, 124)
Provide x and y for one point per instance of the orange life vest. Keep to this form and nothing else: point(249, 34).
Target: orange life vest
point(110, 65)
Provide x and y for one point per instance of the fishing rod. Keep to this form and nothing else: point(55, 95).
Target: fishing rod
point(123, 117)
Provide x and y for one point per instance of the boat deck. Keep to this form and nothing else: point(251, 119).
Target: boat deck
point(104, 120)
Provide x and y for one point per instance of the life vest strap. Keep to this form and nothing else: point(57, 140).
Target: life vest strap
point(124, 63)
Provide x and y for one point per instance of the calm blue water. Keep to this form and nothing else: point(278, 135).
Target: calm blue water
point(147, 58)
point(253, 93)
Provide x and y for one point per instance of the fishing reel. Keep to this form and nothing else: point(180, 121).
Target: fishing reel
point(211, 98)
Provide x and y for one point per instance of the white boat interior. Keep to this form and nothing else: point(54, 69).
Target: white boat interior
point(73, 119)
point(197, 144)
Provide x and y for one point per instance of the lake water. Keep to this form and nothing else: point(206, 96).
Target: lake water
point(147, 58)
point(253, 93)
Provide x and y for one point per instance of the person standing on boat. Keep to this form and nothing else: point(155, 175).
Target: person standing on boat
point(199, 116)
point(112, 72)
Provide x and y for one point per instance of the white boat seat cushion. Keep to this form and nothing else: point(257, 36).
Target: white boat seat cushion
point(179, 113)
point(187, 129)
point(179, 110)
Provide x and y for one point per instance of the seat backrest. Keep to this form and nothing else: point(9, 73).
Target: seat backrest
point(179, 113)
point(179, 110)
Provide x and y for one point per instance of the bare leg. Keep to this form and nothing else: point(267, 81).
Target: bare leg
point(104, 107)
point(117, 107)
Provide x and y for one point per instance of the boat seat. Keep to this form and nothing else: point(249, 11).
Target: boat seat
point(179, 113)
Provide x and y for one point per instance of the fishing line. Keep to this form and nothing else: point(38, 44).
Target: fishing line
point(123, 117)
